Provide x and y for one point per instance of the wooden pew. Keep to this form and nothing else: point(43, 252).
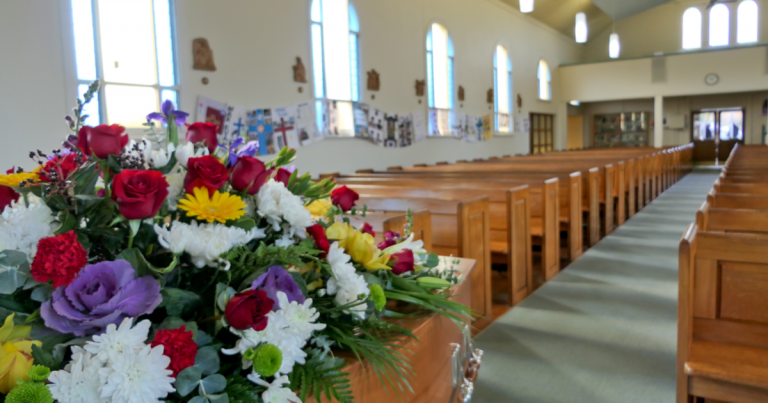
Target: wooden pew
point(731, 220)
point(722, 319)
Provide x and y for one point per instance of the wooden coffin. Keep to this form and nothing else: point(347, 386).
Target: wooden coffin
point(440, 359)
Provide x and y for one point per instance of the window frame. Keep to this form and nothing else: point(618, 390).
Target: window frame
point(450, 65)
point(700, 16)
point(71, 68)
point(496, 91)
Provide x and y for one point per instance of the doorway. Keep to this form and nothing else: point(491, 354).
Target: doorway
point(575, 132)
point(715, 132)
point(542, 133)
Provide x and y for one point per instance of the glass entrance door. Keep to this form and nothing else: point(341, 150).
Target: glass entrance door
point(715, 132)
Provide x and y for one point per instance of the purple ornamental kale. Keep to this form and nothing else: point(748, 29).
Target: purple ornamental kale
point(278, 279)
point(103, 293)
point(168, 110)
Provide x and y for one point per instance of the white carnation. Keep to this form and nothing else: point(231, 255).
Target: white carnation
point(276, 203)
point(204, 243)
point(21, 227)
point(345, 283)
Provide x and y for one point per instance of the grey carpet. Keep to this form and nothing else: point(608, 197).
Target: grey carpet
point(604, 330)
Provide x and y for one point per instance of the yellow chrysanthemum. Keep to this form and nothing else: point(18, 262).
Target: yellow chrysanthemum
point(220, 207)
point(13, 180)
point(319, 208)
point(359, 246)
point(15, 354)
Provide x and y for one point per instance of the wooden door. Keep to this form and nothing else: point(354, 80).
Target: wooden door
point(575, 132)
point(715, 132)
point(542, 133)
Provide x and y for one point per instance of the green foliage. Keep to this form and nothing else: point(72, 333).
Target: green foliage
point(322, 376)
point(241, 390)
point(377, 296)
point(178, 302)
point(247, 265)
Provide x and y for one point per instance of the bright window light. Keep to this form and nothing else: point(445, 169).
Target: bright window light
point(128, 104)
point(692, 28)
point(719, 25)
point(746, 16)
point(336, 48)
point(440, 65)
point(502, 83)
point(545, 78)
point(526, 6)
point(581, 30)
point(164, 41)
point(614, 46)
point(85, 53)
point(127, 33)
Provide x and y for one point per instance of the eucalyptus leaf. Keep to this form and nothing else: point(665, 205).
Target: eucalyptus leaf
point(136, 259)
point(10, 280)
point(203, 339)
point(198, 399)
point(432, 261)
point(212, 384)
point(224, 297)
point(42, 293)
point(187, 380)
point(177, 301)
point(222, 398)
point(12, 258)
point(207, 359)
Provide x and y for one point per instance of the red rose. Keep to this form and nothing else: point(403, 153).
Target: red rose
point(203, 132)
point(403, 261)
point(102, 140)
point(283, 175)
point(367, 229)
point(249, 173)
point(178, 346)
point(344, 197)
point(249, 309)
point(7, 195)
point(59, 258)
point(318, 234)
point(62, 165)
point(139, 194)
point(206, 172)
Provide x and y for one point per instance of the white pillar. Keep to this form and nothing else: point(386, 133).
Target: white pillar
point(658, 118)
point(561, 127)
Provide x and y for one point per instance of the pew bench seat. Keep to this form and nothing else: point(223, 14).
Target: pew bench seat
point(729, 362)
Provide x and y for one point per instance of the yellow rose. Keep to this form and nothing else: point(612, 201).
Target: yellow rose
point(15, 354)
point(319, 208)
point(363, 250)
point(13, 180)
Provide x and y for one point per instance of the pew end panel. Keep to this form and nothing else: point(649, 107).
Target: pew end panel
point(593, 199)
point(551, 242)
point(474, 242)
point(632, 191)
point(576, 231)
point(608, 225)
point(519, 255)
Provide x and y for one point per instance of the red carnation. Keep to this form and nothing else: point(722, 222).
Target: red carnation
point(318, 234)
point(367, 229)
point(344, 197)
point(178, 346)
point(62, 165)
point(59, 258)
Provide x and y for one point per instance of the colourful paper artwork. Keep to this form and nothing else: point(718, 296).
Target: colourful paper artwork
point(404, 130)
point(284, 127)
point(306, 123)
point(260, 128)
point(390, 132)
point(377, 125)
point(212, 111)
point(235, 125)
point(419, 126)
point(360, 112)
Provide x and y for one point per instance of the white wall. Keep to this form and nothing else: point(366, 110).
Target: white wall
point(255, 43)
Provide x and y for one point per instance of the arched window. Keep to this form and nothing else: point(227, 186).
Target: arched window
point(335, 59)
point(692, 28)
point(545, 79)
point(719, 25)
point(439, 79)
point(502, 89)
point(746, 18)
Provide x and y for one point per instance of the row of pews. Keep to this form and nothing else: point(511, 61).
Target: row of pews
point(722, 353)
point(521, 218)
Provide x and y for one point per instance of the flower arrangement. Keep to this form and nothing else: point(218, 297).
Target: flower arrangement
point(195, 272)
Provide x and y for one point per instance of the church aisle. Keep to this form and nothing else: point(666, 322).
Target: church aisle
point(603, 330)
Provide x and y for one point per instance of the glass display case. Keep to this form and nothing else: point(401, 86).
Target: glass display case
point(628, 129)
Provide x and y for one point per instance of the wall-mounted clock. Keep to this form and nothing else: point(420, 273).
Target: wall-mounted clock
point(711, 79)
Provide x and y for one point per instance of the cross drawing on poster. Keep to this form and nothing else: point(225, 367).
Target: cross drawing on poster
point(284, 127)
point(260, 129)
point(235, 125)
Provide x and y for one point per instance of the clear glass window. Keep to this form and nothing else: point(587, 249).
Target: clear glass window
point(746, 16)
point(692, 28)
point(719, 25)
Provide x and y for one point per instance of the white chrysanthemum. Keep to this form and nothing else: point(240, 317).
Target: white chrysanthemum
point(21, 227)
point(298, 318)
point(187, 151)
point(118, 339)
point(276, 203)
point(175, 186)
point(204, 242)
point(345, 283)
point(276, 391)
point(79, 382)
point(285, 241)
point(137, 376)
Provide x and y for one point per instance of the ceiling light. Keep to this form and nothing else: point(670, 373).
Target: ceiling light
point(581, 28)
point(614, 47)
point(526, 6)
point(575, 103)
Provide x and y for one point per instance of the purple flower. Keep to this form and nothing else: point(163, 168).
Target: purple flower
point(249, 149)
point(103, 293)
point(277, 279)
point(390, 239)
point(232, 159)
point(167, 113)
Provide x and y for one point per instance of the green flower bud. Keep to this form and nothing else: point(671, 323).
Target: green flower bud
point(38, 373)
point(29, 392)
point(267, 360)
point(377, 296)
point(249, 354)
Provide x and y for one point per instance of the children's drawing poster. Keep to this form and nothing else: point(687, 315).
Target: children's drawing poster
point(419, 126)
point(487, 127)
point(306, 122)
point(522, 124)
point(504, 122)
point(284, 127)
point(341, 119)
point(235, 125)
point(212, 111)
point(377, 125)
point(404, 130)
point(459, 125)
point(260, 129)
point(360, 113)
point(474, 128)
point(390, 131)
